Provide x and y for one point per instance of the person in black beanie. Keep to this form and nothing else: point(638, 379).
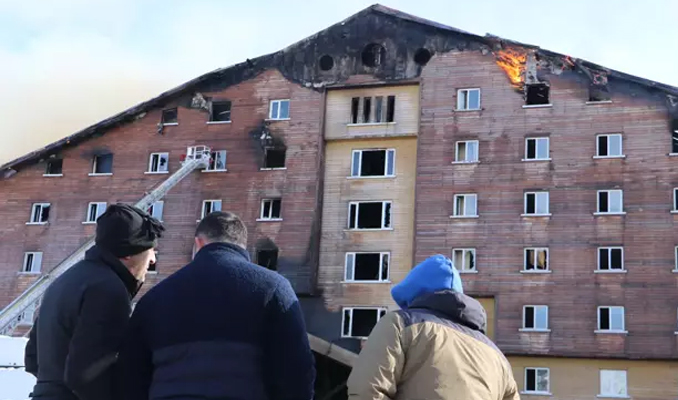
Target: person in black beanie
point(84, 313)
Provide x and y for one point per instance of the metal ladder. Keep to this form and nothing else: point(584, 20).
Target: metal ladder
point(196, 157)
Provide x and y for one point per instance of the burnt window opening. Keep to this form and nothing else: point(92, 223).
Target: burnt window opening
point(326, 62)
point(375, 162)
point(368, 110)
point(221, 111)
point(270, 209)
point(371, 267)
point(170, 116)
point(390, 109)
point(597, 94)
point(422, 56)
point(674, 135)
point(537, 94)
point(359, 322)
point(274, 158)
point(373, 55)
point(268, 259)
point(54, 167)
point(102, 164)
point(370, 215)
point(355, 105)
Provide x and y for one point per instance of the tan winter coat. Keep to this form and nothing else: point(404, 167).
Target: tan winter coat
point(435, 350)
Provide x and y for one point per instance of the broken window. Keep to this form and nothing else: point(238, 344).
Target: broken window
point(217, 161)
point(279, 109)
point(369, 215)
point(210, 206)
point(359, 322)
point(367, 110)
point(268, 259)
point(536, 260)
point(221, 111)
point(366, 267)
point(536, 318)
point(611, 319)
point(468, 99)
point(54, 167)
point(537, 381)
point(32, 262)
point(467, 151)
point(537, 148)
point(613, 384)
point(609, 145)
point(274, 158)
point(158, 162)
point(169, 116)
point(610, 202)
point(94, 211)
point(674, 135)
point(270, 209)
point(611, 259)
point(464, 259)
point(40, 213)
point(156, 209)
point(537, 94)
point(465, 205)
point(537, 203)
point(373, 163)
point(102, 164)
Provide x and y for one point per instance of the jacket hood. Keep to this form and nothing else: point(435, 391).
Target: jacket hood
point(434, 274)
point(454, 306)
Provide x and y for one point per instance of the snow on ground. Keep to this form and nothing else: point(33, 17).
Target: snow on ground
point(15, 383)
point(12, 351)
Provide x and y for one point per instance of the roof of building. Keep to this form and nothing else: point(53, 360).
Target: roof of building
point(243, 71)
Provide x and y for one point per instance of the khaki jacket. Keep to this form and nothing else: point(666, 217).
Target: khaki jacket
point(435, 350)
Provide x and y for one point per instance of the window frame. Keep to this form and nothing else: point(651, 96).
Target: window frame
point(467, 99)
point(536, 148)
point(466, 143)
point(204, 203)
point(609, 260)
point(387, 163)
point(213, 156)
point(534, 318)
point(211, 119)
point(609, 200)
point(262, 217)
point(536, 271)
point(95, 163)
point(160, 156)
point(613, 396)
point(607, 135)
point(455, 213)
point(47, 167)
point(98, 213)
point(465, 250)
point(382, 254)
point(162, 116)
point(536, 390)
point(536, 202)
point(379, 311)
point(623, 318)
point(33, 210)
point(271, 117)
point(674, 208)
point(152, 208)
point(675, 255)
point(36, 255)
point(383, 215)
point(357, 110)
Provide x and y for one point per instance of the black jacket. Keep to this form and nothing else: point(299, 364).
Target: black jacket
point(82, 320)
point(219, 328)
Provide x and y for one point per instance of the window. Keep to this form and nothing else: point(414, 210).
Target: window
point(537, 149)
point(676, 254)
point(221, 111)
point(464, 259)
point(610, 202)
point(468, 99)
point(210, 206)
point(675, 199)
point(268, 259)
point(467, 152)
point(609, 145)
point(158, 163)
point(156, 210)
point(274, 158)
point(373, 163)
point(94, 211)
point(536, 318)
point(537, 381)
point(537, 94)
point(359, 322)
point(40, 213)
point(536, 260)
point(54, 167)
point(279, 109)
point(369, 215)
point(270, 209)
point(102, 164)
point(613, 383)
point(465, 205)
point(537, 203)
point(32, 263)
point(169, 116)
point(611, 319)
point(674, 135)
point(366, 267)
point(611, 259)
point(366, 110)
point(217, 161)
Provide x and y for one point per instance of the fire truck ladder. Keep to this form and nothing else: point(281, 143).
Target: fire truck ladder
point(197, 157)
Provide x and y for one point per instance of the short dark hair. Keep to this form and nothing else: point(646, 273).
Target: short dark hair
point(223, 227)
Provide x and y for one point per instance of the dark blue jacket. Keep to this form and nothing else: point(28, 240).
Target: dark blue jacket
point(219, 328)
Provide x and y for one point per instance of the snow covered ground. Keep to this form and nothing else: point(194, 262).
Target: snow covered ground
point(15, 383)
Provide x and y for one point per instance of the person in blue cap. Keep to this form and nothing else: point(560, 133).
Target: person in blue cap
point(434, 347)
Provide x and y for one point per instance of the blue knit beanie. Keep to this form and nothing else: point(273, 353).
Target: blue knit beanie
point(434, 274)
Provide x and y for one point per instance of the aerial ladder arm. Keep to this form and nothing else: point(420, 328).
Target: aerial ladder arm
point(197, 157)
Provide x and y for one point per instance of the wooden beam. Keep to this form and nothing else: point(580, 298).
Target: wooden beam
point(334, 352)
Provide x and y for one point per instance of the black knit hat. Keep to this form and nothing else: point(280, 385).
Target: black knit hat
point(125, 230)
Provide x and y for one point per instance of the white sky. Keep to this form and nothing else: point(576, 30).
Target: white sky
point(65, 64)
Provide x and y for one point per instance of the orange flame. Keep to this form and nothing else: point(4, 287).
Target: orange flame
point(513, 63)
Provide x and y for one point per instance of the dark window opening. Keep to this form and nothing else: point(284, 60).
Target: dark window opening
point(103, 164)
point(675, 200)
point(274, 158)
point(603, 202)
point(326, 62)
point(537, 94)
point(602, 145)
point(529, 318)
point(355, 105)
point(616, 259)
point(531, 380)
point(373, 55)
point(221, 111)
point(422, 56)
point(363, 322)
point(54, 167)
point(531, 149)
point(170, 116)
point(367, 267)
point(597, 93)
point(378, 109)
point(531, 203)
point(367, 109)
point(387, 215)
point(268, 259)
point(373, 163)
point(372, 215)
point(604, 316)
point(674, 135)
point(390, 109)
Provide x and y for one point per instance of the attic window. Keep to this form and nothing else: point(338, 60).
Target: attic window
point(102, 164)
point(373, 55)
point(674, 135)
point(326, 62)
point(54, 167)
point(268, 259)
point(274, 158)
point(598, 95)
point(169, 116)
point(221, 111)
point(422, 56)
point(537, 94)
